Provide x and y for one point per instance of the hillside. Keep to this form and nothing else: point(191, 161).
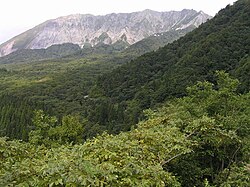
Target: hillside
point(156, 41)
point(29, 55)
point(178, 116)
point(119, 49)
point(117, 99)
point(219, 44)
point(108, 29)
point(199, 140)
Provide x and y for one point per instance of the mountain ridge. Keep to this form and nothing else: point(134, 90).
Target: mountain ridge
point(219, 44)
point(85, 29)
point(73, 51)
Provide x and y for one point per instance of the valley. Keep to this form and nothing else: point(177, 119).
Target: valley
point(168, 109)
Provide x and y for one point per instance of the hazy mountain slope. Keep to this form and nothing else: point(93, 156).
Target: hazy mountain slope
point(66, 50)
point(201, 139)
point(118, 49)
point(156, 40)
point(218, 44)
point(28, 55)
point(88, 29)
point(118, 99)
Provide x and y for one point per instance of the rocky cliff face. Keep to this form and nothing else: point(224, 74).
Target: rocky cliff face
point(108, 29)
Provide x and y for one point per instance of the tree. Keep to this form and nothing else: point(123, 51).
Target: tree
point(216, 117)
point(70, 131)
point(42, 123)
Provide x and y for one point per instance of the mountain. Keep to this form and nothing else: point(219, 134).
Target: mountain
point(197, 136)
point(221, 43)
point(52, 52)
point(156, 41)
point(92, 30)
point(73, 51)
point(116, 100)
point(120, 51)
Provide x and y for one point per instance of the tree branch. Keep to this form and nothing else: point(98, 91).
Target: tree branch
point(167, 161)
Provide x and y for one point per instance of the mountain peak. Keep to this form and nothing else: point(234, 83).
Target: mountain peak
point(87, 29)
point(148, 11)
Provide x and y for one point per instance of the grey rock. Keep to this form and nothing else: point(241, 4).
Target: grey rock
point(108, 29)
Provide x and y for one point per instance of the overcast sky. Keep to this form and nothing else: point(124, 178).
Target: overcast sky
point(16, 16)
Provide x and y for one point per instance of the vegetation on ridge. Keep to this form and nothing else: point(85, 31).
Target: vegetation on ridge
point(199, 140)
point(116, 101)
point(70, 121)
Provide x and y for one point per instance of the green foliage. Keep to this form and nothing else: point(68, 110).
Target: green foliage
point(15, 116)
point(52, 52)
point(238, 176)
point(192, 140)
point(116, 100)
point(243, 73)
point(218, 120)
point(221, 43)
point(129, 159)
point(201, 139)
point(68, 86)
point(70, 131)
point(42, 123)
point(48, 132)
point(57, 87)
point(156, 41)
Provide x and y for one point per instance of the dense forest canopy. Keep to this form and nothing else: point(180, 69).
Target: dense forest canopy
point(103, 116)
point(68, 86)
point(200, 140)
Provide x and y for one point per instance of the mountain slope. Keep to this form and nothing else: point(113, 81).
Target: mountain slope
point(119, 48)
point(156, 41)
point(183, 143)
point(88, 29)
point(118, 98)
point(218, 44)
point(52, 52)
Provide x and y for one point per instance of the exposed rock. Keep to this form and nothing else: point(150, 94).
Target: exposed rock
point(108, 29)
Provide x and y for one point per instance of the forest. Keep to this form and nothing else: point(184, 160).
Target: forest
point(116, 116)
point(201, 139)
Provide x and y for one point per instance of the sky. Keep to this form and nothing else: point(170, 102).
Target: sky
point(17, 16)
